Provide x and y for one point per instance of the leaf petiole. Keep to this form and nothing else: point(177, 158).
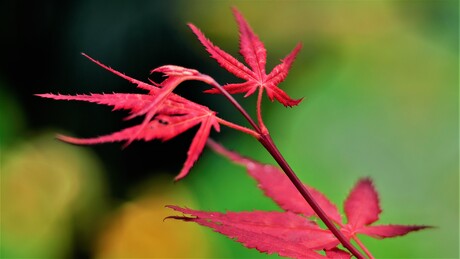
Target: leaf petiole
point(238, 127)
point(263, 129)
point(363, 247)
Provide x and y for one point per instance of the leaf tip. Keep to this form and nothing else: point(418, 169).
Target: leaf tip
point(193, 27)
point(235, 11)
point(68, 139)
point(366, 182)
point(183, 173)
point(293, 102)
point(87, 56)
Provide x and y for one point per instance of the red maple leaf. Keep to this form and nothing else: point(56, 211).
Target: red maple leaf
point(166, 114)
point(362, 209)
point(284, 233)
point(292, 233)
point(254, 53)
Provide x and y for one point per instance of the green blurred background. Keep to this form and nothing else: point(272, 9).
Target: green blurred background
point(380, 81)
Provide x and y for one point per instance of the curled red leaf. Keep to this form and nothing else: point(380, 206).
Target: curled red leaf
point(166, 114)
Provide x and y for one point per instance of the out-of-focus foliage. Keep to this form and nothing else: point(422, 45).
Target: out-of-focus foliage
point(50, 193)
point(137, 229)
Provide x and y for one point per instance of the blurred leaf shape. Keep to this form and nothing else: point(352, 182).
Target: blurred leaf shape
point(138, 229)
point(45, 185)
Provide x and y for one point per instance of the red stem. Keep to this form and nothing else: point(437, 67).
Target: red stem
point(268, 143)
point(263, 129)
point(238, 127)
point(237, 105)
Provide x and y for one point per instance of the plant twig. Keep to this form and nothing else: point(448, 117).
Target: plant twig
point(268, 143)
point(237, 105)
point(266, 140)
point(238, 127)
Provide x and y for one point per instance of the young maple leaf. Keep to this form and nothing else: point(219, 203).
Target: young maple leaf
point(254, 53)
point(361, 208)
point(166, 114)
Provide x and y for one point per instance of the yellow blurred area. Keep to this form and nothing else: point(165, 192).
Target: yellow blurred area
point(138, 229)
point(50, 189)
point(280, 24)
point(44, 184)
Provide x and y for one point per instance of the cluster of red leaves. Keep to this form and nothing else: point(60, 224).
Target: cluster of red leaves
point(166, 114)
point(293, 233)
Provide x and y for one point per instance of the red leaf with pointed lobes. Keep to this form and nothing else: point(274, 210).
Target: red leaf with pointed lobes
point(278, 187)
point(284, 233)
point(361, 207)
point(254, 53)
point(166, 114)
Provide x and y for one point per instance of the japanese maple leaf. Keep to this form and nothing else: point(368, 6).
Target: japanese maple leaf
point(362, 208)
point(255, 55)
point(291, 233)
point(166, 114)
point(284, 233)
